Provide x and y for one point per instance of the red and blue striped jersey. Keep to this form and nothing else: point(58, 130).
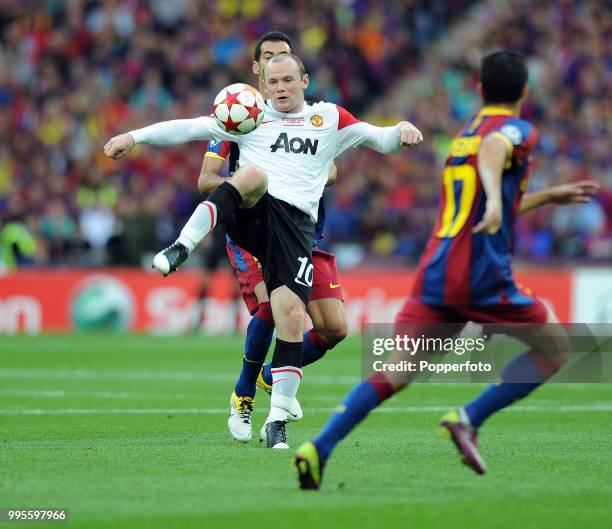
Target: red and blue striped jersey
point(460, 268)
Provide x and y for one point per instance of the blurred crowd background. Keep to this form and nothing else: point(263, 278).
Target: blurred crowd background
point(74, 73)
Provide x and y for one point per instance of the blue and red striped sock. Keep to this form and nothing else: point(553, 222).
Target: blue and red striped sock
point(258, 339)
point(363, 398)
point(520, 377)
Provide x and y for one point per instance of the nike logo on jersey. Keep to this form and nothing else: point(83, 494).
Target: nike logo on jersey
point(331, 285)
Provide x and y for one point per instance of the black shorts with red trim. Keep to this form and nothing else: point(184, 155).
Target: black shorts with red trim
point(280, 236)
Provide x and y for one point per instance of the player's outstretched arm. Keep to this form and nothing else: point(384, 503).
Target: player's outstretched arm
point(573, 193)
point(355, 133)
point(172, 132)
point(491, 158)
point(387, 139)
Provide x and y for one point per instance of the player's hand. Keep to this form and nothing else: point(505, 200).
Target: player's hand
point(491, 220)
point(119, 146)
point(574, 193)
point(410, 136)
point(332, 177)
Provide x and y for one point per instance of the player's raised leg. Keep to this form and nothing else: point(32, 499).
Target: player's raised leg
point(243, 189)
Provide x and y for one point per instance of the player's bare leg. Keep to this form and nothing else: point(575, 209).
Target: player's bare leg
point(329, 320)
point(257, 343)
point(289, 311)
point(329, 328)
point(243, 189)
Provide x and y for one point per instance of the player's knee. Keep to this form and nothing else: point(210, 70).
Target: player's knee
point(291, 324)
point(295, 321)
point(251, 182)
point(257, 178)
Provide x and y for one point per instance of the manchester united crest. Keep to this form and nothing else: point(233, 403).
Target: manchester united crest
point(316, 120)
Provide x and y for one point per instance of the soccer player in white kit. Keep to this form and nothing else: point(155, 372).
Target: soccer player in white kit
point(269, 206)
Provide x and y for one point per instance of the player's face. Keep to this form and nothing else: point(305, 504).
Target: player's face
point(285, 86)
point(269, 49)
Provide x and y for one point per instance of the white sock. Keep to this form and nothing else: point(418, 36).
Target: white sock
point(285, 383)
point(199, 225)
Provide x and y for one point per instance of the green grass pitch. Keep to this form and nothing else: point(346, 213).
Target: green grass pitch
point(130, 432)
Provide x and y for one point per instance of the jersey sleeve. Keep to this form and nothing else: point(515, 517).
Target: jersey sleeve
point(179, 131)
point(520, 137)
point(345, 118)
point(218, 149)
point(353, 132)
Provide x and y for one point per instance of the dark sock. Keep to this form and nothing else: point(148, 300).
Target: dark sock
point(314, 349)
point(286, 373)
point(519, 378)
point(287, 354)
point(357, 404)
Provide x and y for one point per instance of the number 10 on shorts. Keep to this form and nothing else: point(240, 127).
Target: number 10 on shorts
point(304, 275)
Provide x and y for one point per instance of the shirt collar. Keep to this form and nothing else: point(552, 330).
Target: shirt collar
point(492, 110)
point(272, 110)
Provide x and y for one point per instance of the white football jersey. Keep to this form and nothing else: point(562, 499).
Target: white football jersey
point(296, 151)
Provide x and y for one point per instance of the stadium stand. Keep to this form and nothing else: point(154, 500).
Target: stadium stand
point(73, 74)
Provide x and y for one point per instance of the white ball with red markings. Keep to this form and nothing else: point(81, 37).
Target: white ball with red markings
point(238, 109)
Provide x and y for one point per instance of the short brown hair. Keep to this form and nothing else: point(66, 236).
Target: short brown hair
point(282, 57)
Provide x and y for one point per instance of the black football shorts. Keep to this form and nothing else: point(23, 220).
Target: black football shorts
point(281, 237)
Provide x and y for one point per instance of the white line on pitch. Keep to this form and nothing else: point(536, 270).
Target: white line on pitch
point(90, 374)
point(113, 411)
point(223, 411)
point(59, 393)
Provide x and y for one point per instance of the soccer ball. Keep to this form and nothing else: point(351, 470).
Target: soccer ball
point(238, 109)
